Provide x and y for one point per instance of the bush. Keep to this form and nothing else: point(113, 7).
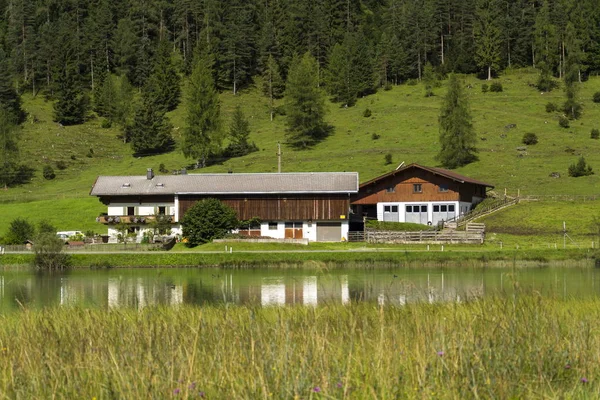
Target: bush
point(580, 169)
point(388, 158)
point(73, 157)
point(530, 138)
point(106, 123)
point(595, 134)
point(388, 86)
point(48, 172)
point(563, 121)
point(496, 87)
point(596, 97)
point(20, 230)
point(49, 256)
point(412, 82)
point(367, 113)
point(572, 109)
point(551, 107)
point(206, 220)
point(484, 88)
point(375, 136)
point(162, 169)
point(61, 165)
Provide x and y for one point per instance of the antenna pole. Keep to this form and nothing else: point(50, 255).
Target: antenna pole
point(278, 157)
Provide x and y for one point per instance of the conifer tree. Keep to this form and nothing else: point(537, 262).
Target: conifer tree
point(71, 105)
point(9, 99)
point(457, 136)
point(11, 171)
point(545, 44)
point(202, 135)
point(164, 81)
point(487, 36)
point(273, 85)
point(150, 130)
point(572, 108)
point(239, 132)
point(305, 104)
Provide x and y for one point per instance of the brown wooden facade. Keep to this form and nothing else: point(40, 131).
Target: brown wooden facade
point(315, 207)
point(416, 185)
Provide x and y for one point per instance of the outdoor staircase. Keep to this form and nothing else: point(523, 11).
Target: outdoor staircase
point(480, 212)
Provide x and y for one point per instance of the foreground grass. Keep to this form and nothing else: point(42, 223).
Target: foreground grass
point(522, 347)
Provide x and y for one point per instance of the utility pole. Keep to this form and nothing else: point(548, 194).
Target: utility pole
point(278, 157)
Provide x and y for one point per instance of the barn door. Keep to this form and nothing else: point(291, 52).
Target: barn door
point(391, 214)
point(416, 214)
point(293, 230)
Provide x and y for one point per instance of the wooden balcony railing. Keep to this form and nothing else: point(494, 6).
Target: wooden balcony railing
point(129, 219)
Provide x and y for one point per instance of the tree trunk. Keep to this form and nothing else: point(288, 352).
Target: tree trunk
point(489, 73)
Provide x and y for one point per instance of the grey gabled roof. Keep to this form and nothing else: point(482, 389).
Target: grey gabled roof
point(213, 184)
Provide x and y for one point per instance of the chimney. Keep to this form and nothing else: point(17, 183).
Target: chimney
point(149, 174)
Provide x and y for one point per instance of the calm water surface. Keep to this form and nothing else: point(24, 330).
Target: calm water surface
point(138, 288)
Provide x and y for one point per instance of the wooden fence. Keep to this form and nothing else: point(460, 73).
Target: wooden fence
point(445, 236)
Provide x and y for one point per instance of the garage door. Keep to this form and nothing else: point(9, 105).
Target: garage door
point(443, 212)
point(329, 231)
point(417, 214)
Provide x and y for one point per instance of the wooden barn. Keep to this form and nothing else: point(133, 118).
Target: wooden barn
point(418, 194)
point(312, 206)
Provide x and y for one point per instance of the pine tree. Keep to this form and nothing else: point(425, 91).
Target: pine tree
point(545, 45)
point(9, 150)
point(572, 107)
point(239, 132)
point(202, 135)
point(164, 81)
point(457, 136)
point(305, 104)
point(339, 77)
point(273, 85)
point(150, 130)
point(487, 36)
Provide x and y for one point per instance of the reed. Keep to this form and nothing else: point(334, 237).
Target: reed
point(523, 346)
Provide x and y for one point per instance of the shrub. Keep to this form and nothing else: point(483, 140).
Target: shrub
point(595, 134)
point(551, 107)
point(162, 169)
point(572, 109)
point(412, 82)
point(563, 121)
point(388, 86)
point(48, 172)
point(61, 165)
point(73, 157)
point(367, 113)
point(388, 158)
point(48, 249)
point(580, 169)
point(530, 138)
point(596, 97)
point(496, 87)
point(484, 88)
point(106, 123)
point(206, 220)
point(375, 136)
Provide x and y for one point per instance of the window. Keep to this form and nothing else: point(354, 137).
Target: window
point(436, 208)
point(417, 188)
point(272, 226)
point(390, 189)
point(443, 188)
point(423, 208)
point(130, 211)
point(162, 210)
point(387, 208)
point(444, 208)
point(408, 208)
point(451, 208)
point(394, 209)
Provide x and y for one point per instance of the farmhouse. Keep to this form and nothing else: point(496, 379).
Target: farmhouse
point(312, 206)
point(418, 194)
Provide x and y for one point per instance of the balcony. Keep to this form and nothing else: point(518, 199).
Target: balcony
point(131, 219)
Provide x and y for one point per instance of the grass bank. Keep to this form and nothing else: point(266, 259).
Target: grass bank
point(518, 347)
point(319, 259)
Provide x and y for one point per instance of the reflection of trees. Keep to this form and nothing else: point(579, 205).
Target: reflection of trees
point(198, 292)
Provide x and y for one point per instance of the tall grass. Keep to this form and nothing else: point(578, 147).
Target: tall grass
point(517, 347)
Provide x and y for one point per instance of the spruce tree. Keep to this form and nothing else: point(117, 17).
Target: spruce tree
point(239, 132)
point(457, 136)
point(572, 108)
point(11, 171)
point(165, 81)
point(305, 104)
point(71, 105)
point(150, 130)
point(545, 45)
point(9, 99)
point(273, 85)
point(202, 135)
point(339, 77)
point(487, 36)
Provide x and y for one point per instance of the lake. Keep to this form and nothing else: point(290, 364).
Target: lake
point(138, 288)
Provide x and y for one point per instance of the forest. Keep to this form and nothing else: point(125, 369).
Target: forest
point(128, 60)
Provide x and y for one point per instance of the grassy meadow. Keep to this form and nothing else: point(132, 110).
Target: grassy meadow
point(518, 347)
point(404, 119)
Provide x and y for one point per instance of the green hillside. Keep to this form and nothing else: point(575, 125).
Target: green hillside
point(404, 119)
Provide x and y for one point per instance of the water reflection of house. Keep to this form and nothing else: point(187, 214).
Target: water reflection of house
point(139, 293)
point(304, 290)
